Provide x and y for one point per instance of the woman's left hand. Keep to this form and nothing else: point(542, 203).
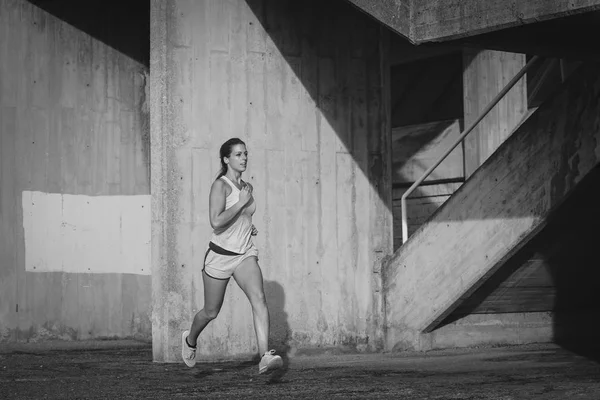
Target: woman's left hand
point(254, 231)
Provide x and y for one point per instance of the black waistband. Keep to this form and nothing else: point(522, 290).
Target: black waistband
point(220, 250)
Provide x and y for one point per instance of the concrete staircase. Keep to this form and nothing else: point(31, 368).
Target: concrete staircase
point(502, 206)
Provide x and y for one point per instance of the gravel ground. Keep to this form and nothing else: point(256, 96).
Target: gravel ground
point(117, 372)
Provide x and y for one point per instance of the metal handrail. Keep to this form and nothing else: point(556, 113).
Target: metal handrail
point(489, 107)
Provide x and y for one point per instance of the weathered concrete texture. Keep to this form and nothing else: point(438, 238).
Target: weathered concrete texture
point(502, 205)
point(302, 84)
point(489, 330)
point(428, 21)
point(445, 20)
point(72, 122)
point(485, 74)
point(531, 372)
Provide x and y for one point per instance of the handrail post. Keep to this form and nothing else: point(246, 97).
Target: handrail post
point(485, 112)
point(404, 219)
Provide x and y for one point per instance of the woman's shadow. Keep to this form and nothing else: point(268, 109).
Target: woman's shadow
point(280, 332)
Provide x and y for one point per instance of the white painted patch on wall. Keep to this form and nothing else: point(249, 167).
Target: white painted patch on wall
point(87, 234)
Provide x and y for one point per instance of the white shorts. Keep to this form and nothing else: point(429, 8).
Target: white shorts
point(220, 266)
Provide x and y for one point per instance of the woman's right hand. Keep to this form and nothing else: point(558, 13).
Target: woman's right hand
point(245, 195)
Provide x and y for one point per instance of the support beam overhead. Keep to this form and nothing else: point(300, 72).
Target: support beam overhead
point(452, 19)
point(395, 14)
point(438, 21)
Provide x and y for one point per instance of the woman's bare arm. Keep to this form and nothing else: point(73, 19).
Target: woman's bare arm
point(219, 217)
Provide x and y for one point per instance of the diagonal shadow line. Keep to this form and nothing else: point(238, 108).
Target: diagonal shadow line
point(312, 37)
point(122, 25)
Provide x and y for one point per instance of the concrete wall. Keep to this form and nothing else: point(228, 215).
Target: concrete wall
point(302, 84)
point(486, 73)
point(74, 184)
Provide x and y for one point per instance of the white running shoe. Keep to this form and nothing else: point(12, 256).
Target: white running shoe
point(187, 353)
point(269, 362)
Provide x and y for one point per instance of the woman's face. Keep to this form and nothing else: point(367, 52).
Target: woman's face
point(238, 158)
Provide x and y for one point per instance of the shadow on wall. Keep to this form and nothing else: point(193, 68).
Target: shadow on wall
point(570, 246)
point(338, 54)
point(280, 332)
point(428, 90)
point(122, 25)
point(335, 52)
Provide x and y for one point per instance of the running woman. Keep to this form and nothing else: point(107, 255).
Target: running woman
point(232, 253)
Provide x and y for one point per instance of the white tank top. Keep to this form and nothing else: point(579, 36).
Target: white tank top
point(237, 237)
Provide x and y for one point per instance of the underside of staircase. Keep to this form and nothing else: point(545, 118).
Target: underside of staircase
point(474, 237)
point(434, 21)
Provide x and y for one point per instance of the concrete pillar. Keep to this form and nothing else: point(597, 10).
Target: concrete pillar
point(312, 108)
point(485, 73)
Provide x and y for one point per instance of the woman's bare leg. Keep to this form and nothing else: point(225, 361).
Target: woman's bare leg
point(214, 293)
point(249, 277)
